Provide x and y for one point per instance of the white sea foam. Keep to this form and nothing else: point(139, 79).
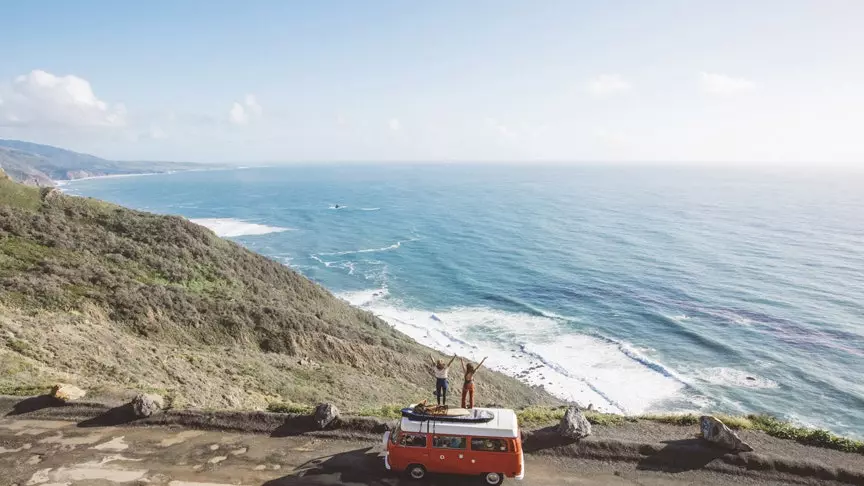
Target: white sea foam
point(734, 378)
point(362, 298)
point(535, 349)
point(229, 227)
point(369, 209)
point(394, 246)
point(63, 182)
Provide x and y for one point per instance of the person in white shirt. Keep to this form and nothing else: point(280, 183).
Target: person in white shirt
point(441, 383)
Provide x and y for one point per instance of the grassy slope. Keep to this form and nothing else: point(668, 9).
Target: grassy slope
point(123, 300)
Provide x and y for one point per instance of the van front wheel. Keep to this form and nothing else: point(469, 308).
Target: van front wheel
point(493, 478)
point(416, 471)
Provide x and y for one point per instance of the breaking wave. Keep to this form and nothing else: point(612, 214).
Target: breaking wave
point(231, 228)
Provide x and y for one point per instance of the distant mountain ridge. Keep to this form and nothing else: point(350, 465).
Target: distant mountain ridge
point(42, 165)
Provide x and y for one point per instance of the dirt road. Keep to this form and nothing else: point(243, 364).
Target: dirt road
point(55, 453)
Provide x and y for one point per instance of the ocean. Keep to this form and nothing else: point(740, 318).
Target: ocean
point(632, 288)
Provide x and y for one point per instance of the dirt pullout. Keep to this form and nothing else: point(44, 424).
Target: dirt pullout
point(42, 452)
point(636, 447)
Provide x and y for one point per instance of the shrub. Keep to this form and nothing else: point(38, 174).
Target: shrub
point(387, 411)
point(673, 418)
point(287, 407)
point(540, 415)
point(815, 437)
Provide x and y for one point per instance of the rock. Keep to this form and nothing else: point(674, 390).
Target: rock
point(147, 404)
point(67, 393)
point(325, 414)
point(49, 193)
point(716, 432)
point(574, 425)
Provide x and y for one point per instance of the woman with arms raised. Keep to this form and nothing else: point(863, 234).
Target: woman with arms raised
point(468, 387)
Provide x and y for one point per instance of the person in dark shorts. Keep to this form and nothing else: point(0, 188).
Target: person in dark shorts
point(441, 383)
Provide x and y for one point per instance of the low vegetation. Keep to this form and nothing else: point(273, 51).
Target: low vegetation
point(386, 411)
point(292, 408)
point(543, 416)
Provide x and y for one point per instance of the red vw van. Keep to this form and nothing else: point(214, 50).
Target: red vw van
point(491, 449)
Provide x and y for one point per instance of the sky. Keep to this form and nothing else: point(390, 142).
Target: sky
point(772, 81)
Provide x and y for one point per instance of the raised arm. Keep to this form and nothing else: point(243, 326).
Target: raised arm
point(433, 360)
point(479, 365)
point(451, 360)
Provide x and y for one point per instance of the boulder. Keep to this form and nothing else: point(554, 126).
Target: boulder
point(325, 414)
point(147, 404)
point(716, 432)
point(574, 425)
point(67, 393)
point(49, 193)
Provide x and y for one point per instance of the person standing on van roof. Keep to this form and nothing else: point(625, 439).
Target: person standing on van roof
point(441, 383)
point(468, 386)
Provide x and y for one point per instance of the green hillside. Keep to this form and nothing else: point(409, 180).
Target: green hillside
point(120, 300)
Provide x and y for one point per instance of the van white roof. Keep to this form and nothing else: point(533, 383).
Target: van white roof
point(503, 424)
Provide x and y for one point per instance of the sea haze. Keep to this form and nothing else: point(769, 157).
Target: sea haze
point(635, 289)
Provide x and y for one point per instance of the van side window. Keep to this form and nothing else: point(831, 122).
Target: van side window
point(412, 440)
point(449, 442)
point(489, 445)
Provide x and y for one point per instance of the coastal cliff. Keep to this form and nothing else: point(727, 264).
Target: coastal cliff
point(42, 165)
point(116, 300)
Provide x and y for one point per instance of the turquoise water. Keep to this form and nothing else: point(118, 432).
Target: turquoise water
point(634, 289)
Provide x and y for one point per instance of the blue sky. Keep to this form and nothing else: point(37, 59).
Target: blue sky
point(279, 81)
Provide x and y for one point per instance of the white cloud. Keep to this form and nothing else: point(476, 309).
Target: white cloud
point(238, 115)
point(156, 132)
point(722, 84)
point(499, 127)
point(395, 124)
point(242, 113)
point(606, 85)
point(41, 98)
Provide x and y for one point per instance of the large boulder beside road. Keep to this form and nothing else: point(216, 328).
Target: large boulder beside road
point(147, 404)
point(716, 432)
point(67, 393)
point(325, 414)
point(574, 425)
